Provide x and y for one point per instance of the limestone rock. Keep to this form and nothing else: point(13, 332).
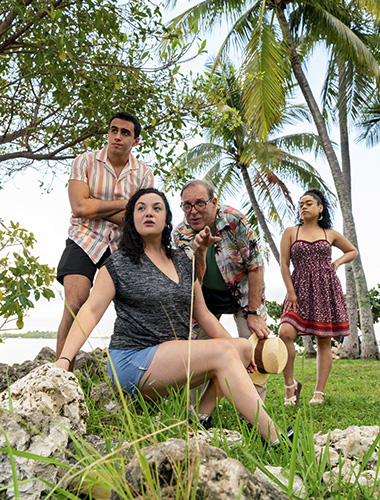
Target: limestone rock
point(92, 363)
point(106, 394)
point(8, 375)
point(97, 445)
point(46, 405)
point(351, 445)
point(283, 476)
point(24, 368)
point(37, 434)
point(50, 390)
point(225, 435)
point(219, 477)
point(46, 354)
point(19, 370)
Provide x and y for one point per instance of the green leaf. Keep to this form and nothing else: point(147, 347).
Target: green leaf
point(202, 47)
point(62, 55)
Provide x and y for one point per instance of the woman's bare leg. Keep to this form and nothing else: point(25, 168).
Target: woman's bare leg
point(223, 359)
point(324, 363)
point(288, 335)
point(209, 398)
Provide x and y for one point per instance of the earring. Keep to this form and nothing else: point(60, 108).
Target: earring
point(320, 217)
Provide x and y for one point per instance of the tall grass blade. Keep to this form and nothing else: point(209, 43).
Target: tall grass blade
point(366, 459)
point(293, 455)
point(9, 392)
point(9, 450)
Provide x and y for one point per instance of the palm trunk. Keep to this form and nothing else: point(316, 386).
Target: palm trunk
point(370, 349)
point(259, 214)
point(306, 339)
point(350, 347)
point(308, 344)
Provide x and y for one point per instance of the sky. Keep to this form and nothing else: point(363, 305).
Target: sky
point(47, 216)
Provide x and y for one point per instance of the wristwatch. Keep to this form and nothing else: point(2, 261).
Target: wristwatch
point(257, 312)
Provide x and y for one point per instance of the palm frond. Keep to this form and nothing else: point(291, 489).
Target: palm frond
point(267, 71)
point(332, 21)
point(200, 157)
point(294, 113)
point(226, 180)
point(239, 34)
point(299, 143)
point(347, 93)
point(373, 6)
point(272, 193)
point(289, 168)
point(370, 123)
point(207, 15)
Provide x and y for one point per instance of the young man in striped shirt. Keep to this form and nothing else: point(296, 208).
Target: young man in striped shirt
point(100, 185)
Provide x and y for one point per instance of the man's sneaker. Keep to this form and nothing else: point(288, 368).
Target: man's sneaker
point(276, 444)
point(203, 420)
point(206, 421)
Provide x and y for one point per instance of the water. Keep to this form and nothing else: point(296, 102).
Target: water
point(19, 350)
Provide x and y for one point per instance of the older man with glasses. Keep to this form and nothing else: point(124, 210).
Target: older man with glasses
point(227, 258)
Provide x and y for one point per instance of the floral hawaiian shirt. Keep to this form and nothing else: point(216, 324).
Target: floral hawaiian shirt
point(236, 253)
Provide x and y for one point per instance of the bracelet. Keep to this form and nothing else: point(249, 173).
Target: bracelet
point(67, 359)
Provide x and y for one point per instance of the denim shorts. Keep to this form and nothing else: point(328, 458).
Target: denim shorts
point(130, 366)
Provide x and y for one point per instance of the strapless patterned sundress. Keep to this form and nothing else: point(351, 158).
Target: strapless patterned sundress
point(322, 309)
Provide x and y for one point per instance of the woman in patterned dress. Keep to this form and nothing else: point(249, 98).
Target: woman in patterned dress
point(314, 303)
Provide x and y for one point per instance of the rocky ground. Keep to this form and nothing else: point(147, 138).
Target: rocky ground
point(42, 409)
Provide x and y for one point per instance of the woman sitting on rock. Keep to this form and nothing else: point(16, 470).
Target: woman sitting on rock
point(151, 286)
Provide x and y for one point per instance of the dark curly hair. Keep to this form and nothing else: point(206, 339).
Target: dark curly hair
point(128, 118)
point(325, 221)
point(132, 244)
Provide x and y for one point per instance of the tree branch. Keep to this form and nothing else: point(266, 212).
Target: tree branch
point(39, 15)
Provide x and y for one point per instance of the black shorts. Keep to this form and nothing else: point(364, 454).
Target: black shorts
point(74, 260)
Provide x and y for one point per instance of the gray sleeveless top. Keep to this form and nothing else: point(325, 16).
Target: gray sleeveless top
point(150, 307)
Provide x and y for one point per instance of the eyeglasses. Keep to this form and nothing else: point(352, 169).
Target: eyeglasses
point(199, 205)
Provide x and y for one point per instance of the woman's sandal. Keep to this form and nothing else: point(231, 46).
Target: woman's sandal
point(293, 400)
point(314, 401)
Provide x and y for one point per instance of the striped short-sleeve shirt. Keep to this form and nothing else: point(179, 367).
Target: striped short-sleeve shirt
point(94, 236)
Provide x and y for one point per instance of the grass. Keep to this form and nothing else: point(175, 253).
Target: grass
point(352, 394)
point(353, 398)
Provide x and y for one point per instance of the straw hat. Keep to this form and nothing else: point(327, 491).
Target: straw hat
point(270, 355)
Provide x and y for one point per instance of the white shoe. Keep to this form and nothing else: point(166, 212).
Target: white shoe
point(293, 400)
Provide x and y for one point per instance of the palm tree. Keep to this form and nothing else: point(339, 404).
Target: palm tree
point(370, 122)
point(346, 91)
point(267, 32)
point(234, 158)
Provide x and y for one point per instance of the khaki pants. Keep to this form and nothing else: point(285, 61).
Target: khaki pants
point(243, 331)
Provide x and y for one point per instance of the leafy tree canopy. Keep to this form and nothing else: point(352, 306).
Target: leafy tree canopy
point(35, 334)
point(374, 294)
point(235, 159)
point(22, 277)
point(66, 66)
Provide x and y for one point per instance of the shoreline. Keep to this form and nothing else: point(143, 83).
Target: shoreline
point(20, 349)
